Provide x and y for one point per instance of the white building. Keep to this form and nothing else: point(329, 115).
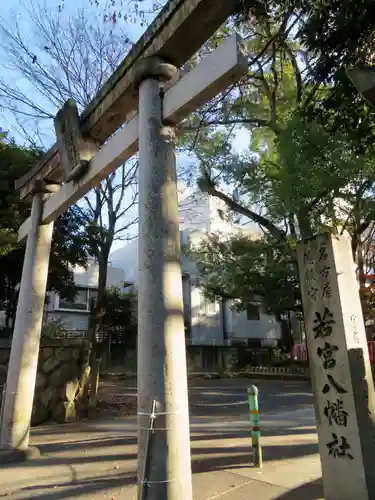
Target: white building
point(75, 315)
point(207, 323)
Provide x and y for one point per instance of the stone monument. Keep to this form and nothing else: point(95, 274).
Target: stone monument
point(339, 366)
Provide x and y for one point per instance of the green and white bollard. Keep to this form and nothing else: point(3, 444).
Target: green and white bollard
point(252, 392)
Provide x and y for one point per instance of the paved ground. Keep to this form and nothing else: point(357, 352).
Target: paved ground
point(97, 460)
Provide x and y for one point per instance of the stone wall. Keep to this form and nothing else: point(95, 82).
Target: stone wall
point(198, 358)
point(61, 383)
point(211, 358)
point(206, 359)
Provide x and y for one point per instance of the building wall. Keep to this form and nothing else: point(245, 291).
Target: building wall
point(77, 321)
point(89, 277)
point(86, 279)
point(266, 328)
point(126, 259)
point(209, 324)
point(206, 324)
point(193, 212)
point(204, 213)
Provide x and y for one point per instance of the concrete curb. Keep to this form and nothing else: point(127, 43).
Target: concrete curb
point(275, 372)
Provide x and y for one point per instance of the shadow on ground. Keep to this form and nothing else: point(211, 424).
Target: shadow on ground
point(238, 457)
point(92, 486)
point(85, 444)
point(96, 451)
point(307, 491)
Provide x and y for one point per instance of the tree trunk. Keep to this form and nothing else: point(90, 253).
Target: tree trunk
point(96, 317)
point(292, 226)
point(304, 224)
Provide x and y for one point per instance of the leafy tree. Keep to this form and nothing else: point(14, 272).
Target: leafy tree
point(53, 329)
point(296, 179)
point(241, 267)
point(14, 162)
point(308, 182)
point(293, 172)
point(69, 243)
point(339, 35)
point(262, 103)
point(120, 316)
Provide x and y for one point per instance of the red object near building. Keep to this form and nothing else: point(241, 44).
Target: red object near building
point(300, 352)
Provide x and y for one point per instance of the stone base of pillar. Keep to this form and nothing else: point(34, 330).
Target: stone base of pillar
point(13, 456)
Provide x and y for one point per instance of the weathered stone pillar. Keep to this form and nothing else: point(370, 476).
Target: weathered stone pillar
point(340, 367)
point(20, 385)
point(162, 374)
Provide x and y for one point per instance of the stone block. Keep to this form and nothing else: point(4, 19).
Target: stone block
point(63, 373)
point(41, 381)
point(63, 353)
point(46, 352)
point(64, 412)
point(48, 397)
point(74, 369)
point(49, 365)
point(60, 382)
point(70, 390)
point(40, 414)
point(75, 353)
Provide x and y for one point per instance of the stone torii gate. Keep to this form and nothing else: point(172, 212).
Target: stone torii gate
point(147, 95)
point(75, 165)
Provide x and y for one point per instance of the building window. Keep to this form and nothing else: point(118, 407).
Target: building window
point(211, 307)
point(252, 312)
point(80, 302)
point(81, 326)
point(207, 307)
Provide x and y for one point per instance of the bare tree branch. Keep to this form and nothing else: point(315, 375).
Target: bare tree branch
point(71, 56)
point(207, 186)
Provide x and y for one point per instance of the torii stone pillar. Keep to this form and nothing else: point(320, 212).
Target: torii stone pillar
point(162, 373)
point(20, 384)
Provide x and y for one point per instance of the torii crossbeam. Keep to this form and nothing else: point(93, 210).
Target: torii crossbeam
point(212, 75)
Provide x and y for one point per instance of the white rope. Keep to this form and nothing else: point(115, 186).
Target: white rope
point(159, 413)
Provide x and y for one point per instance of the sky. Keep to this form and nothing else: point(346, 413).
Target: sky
point(17, 9)
point(12, 9)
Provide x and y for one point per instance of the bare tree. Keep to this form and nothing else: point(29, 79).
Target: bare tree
point(51, 57)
